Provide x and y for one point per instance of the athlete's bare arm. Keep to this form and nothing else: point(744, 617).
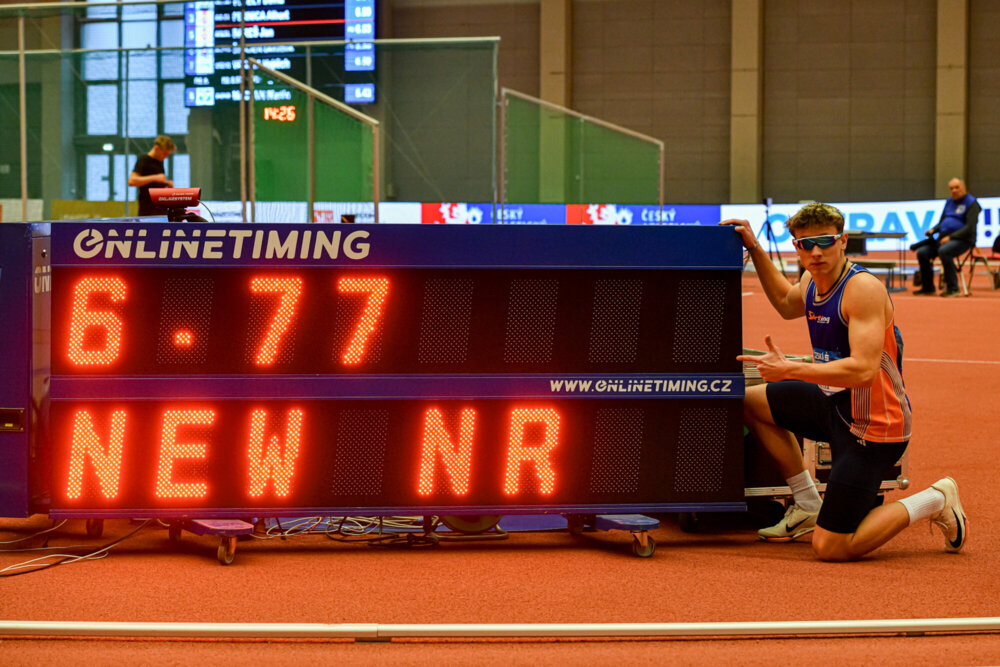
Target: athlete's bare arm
point(865, 307)
point(787, 299)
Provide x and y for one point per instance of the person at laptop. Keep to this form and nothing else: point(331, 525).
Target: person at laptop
point(149, 173)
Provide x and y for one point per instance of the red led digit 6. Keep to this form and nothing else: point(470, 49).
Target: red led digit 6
point(290, 289)
point(377, 287)
point(83, 319)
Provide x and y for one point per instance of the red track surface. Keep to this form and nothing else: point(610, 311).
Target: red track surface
point(952, 372)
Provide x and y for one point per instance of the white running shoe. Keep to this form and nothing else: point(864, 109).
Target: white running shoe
point(797, 522)
point(951, 519)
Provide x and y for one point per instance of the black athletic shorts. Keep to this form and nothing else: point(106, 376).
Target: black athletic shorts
point(858, 467)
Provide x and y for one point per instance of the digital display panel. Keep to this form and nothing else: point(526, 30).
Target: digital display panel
point(213, 28)
point(403, 453)
point(208, 369)
point(285, 113)
point(157, 321)
point(356, 93)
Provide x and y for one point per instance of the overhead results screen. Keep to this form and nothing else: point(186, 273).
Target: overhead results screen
point(269, 28)
point(288, 367)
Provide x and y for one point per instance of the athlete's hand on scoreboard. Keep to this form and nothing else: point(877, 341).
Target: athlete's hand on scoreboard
point(743, 228)
point(773, 365)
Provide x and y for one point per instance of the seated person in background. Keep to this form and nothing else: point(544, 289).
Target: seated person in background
point(852, 397)
point(149, 173)
point(957, 229)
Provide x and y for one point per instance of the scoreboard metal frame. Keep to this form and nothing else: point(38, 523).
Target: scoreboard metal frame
point(231, 371)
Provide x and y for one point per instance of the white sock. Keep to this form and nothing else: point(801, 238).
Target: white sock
point(924, 504)
point(804, 491)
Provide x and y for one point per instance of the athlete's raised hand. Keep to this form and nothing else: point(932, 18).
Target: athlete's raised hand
point(744, 229)
point(772, 365)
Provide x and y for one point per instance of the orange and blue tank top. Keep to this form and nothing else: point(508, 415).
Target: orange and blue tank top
point(880, 412)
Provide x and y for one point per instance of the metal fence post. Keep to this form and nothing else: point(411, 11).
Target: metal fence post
point(22, 109)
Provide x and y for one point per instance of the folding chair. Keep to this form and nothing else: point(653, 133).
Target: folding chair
point(976, 255)
point(973, 254)
point(960, 263)
point(960, 267)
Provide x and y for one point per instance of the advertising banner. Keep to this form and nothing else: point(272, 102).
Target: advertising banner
point(912, 218)
point(531, 214)
point(435, 213)
point(630, 214)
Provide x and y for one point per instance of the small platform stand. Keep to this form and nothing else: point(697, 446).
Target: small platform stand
point(643, 544)
point(227, 530)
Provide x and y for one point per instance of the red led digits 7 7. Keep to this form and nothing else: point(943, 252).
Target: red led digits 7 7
point(377, 287)
point(290, 289)
point(83, 321)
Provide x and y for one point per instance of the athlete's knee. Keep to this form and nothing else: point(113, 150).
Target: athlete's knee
point(832, 547)
point(755, 403)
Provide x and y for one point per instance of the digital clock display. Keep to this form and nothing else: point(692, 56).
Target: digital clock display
point(284, 113)
point(513, 369)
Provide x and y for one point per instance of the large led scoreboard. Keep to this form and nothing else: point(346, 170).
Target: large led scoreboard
point(214, 371)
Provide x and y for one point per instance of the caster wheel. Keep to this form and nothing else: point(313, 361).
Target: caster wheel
point(575, 524)
point(643, 551)
point(471, 524)
point(227, 550)
point(689, 521)
point(95, 527)
point(174, 532)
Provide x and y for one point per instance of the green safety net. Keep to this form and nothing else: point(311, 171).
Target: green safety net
point(555, 157)
point(342, 157)
point(10, 147)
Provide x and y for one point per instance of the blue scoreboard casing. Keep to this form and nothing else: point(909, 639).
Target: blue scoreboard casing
point(25, 284)
point(214, 371)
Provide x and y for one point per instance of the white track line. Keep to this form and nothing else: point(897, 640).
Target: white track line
point(383, 631)
point(952, 361)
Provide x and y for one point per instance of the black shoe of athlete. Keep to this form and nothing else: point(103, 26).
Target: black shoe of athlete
point(922, 292)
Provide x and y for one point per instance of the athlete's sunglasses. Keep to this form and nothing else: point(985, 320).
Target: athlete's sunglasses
point(824, 241)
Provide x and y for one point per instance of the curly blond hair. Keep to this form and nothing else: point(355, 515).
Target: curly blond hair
point(816, 215)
